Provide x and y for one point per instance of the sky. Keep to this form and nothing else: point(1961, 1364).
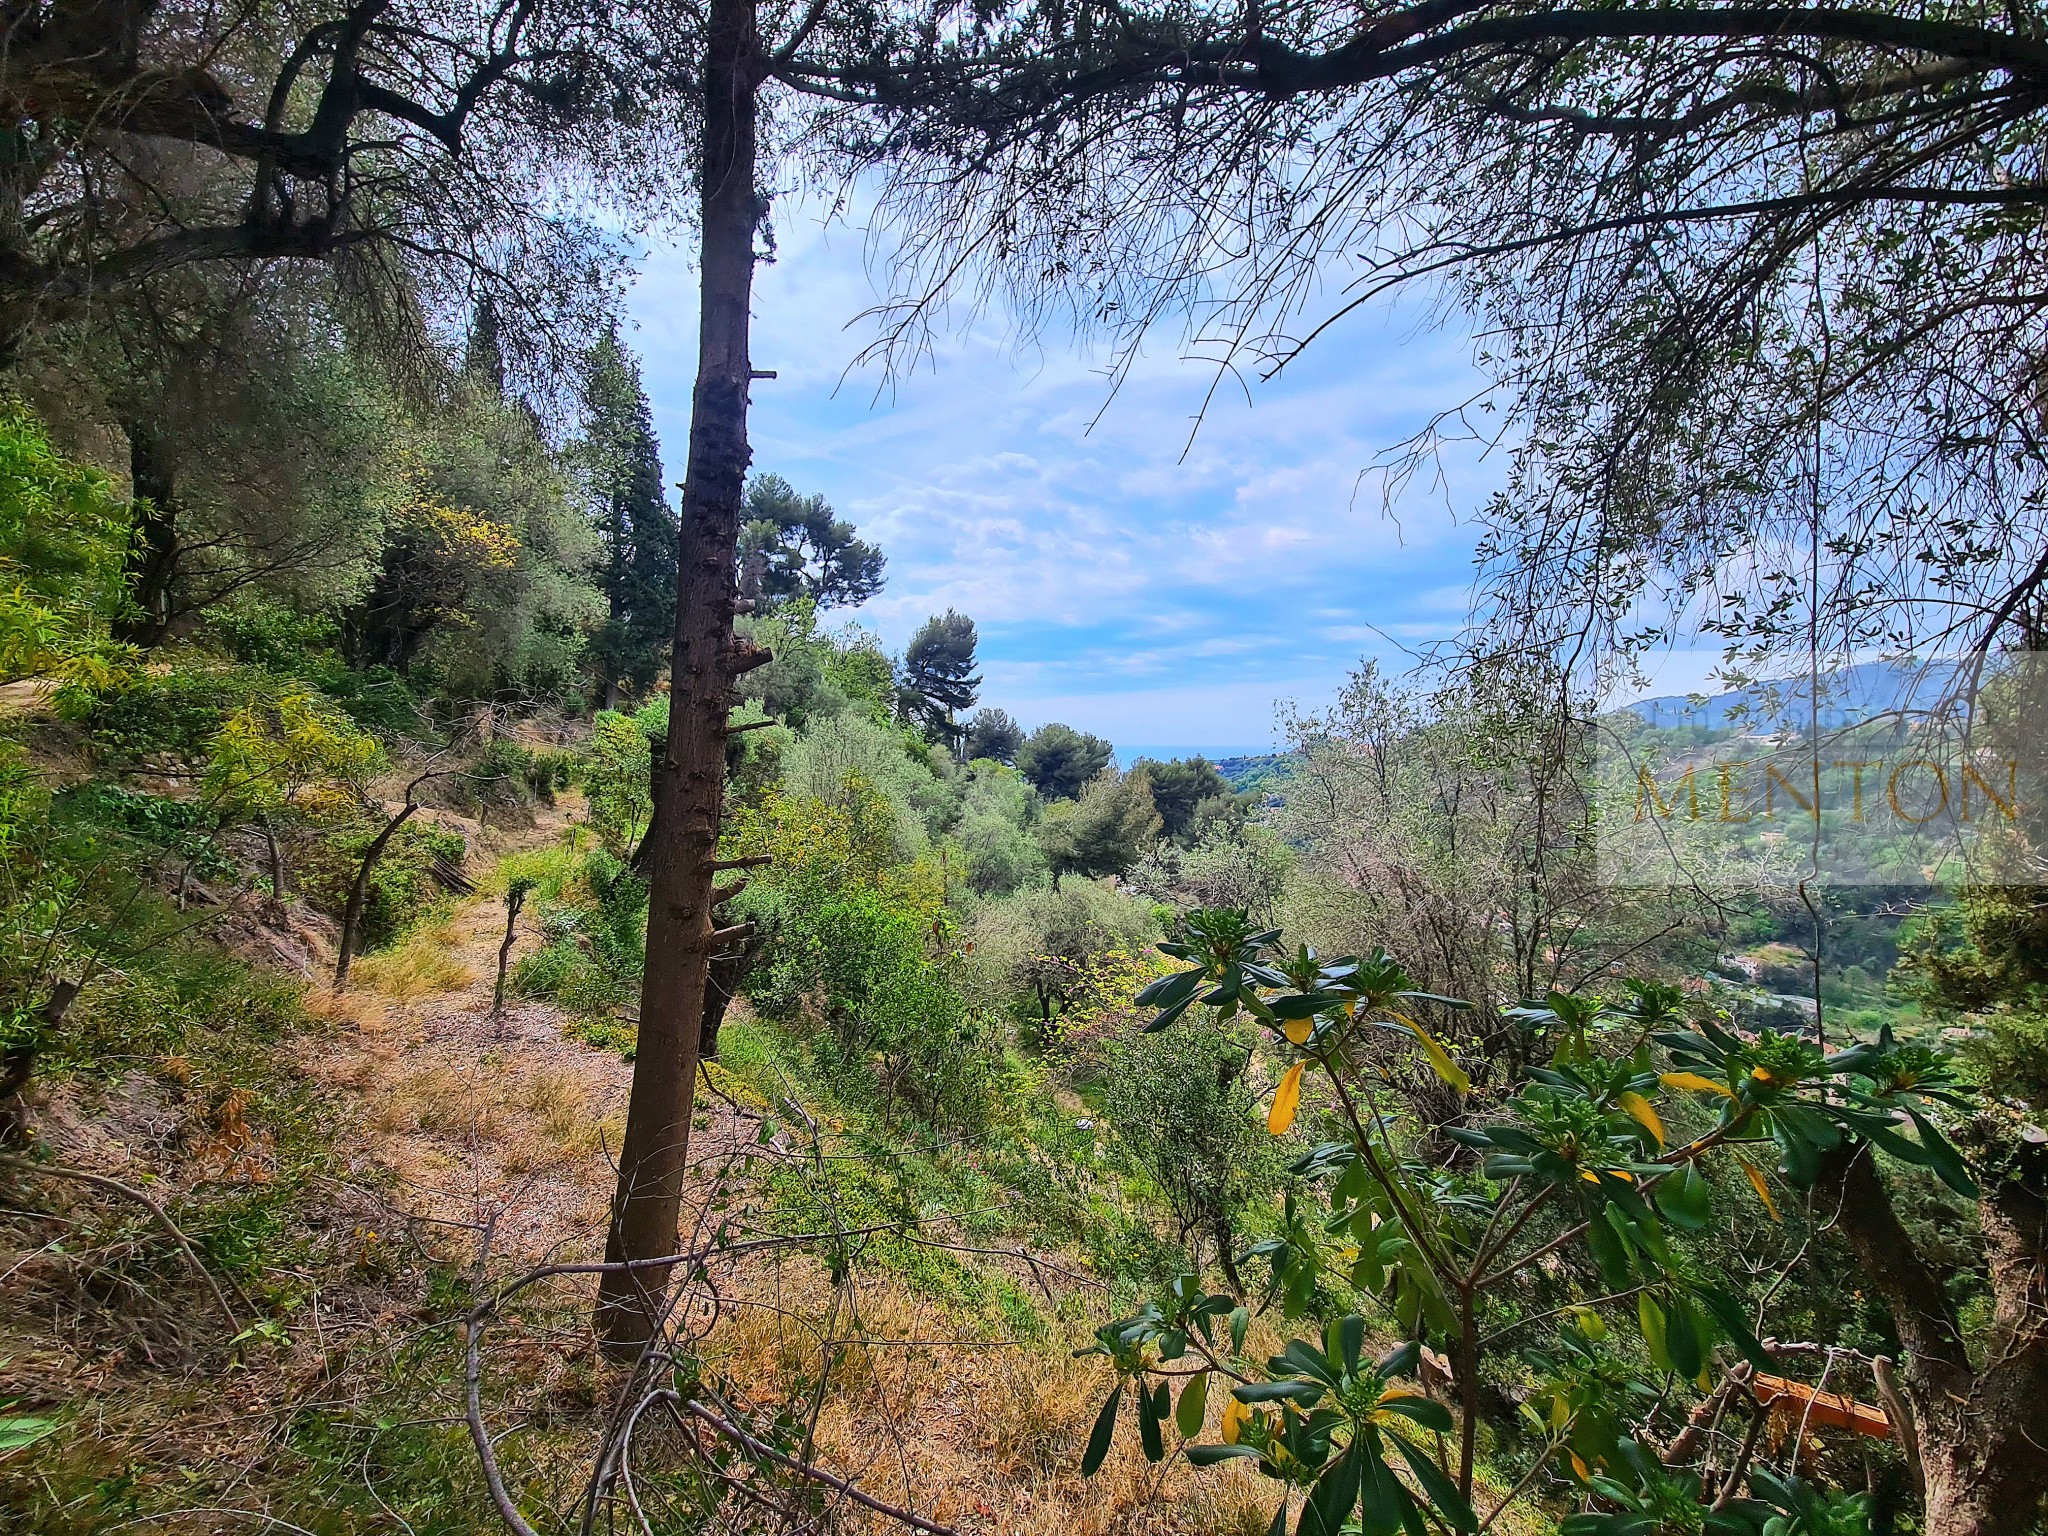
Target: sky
point(1123, 580)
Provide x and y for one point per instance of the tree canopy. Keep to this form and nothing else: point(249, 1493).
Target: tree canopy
point(1061, 761)
point(791, 545)
point(992, 734)
point(939, 679)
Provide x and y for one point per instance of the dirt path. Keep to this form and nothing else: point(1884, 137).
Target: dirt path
point(478, 1120)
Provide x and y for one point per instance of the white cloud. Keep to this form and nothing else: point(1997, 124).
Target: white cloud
point(1094, 545)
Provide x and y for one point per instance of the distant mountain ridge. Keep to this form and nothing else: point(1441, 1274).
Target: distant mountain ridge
point(1847, 696)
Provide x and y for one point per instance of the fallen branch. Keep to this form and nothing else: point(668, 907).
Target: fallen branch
point(163, 1217)
point(813, 1474)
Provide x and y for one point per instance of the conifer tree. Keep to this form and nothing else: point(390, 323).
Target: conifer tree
point(939, 679)
point(634, 522)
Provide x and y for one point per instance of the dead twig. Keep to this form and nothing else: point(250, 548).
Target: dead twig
point(163, 1218)
point(810, 1473)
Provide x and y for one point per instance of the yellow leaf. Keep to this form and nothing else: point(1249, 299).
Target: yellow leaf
point(1560, 1411)
point(1585, 1473)
point(1286, 1100)
point(1696, 1083)
point(1235, 1416)
point(1638, 1109)
point(1298, 1030)
point(1439, 1058)
point(1763, 1190)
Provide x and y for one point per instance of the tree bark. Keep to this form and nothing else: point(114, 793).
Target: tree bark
point(153, 560)
point(1984, 1454)
point(515, 898)
point(705, 661)
point(277, 890)
point(359, 889)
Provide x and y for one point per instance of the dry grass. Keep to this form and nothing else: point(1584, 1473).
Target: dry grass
point(424, 964)
point(983, 1434)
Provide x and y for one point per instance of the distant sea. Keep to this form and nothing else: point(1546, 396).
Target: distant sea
point(1125, 756)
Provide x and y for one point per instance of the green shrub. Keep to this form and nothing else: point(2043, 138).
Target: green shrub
point(594, 925)
point(377, 698)
point(152, 1013)
point(615, 781)
point(63, 549)
point(403, 889)
point(508, 774)
point(98, 811)
point(174, 714)
point(1178, 1104)
point(269, 634)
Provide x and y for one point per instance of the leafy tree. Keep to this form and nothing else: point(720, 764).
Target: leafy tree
point(620, 461)
point(1178, 1102)
point(1589, 1159)
point(791, 546)
point(1179, 787)
point(615, 781)
point(1106, 830)
point(997, 809)
point(1700, 317)
point(992, 734)
point(1232, 864)
point(484, 583)
point(394, 141)
point(295, 757)
point(258, 436)
point(1062, 761)
point(63, 537)
point(939, 678)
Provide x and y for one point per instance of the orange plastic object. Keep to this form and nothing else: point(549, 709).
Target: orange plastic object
point(1829, 1409)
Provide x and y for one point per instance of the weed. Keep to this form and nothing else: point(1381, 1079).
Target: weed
point(423, 963)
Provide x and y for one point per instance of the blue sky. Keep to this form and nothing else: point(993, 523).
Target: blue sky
point(1117, 585)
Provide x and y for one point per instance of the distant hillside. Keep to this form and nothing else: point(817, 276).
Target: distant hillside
point(1847, 696)
point(1265, 772)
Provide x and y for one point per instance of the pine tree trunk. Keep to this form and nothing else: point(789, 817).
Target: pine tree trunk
point(706, 659)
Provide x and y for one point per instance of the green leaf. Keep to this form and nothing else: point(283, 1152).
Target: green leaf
point(1211, 1455)
point(25, 1429)
point(1350, 1340)
point(1148, 1426)
point(1240, 1320)
point(1193, 1406)
point(1303, 1359)
point(1421, 1411)
point(1383, 1504)
point(1303, 1392)
point(1330, 1501)
point(1728, 1313)
point(1651, 1316)
point(1686, 1200)
point(1177, 988)
point(1609, 1253)
point(1098, 1438)
point(1443, 1493)
point(1682, 1338)
point(1947, 1163)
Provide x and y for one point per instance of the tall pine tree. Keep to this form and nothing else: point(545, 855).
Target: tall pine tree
point(635, 524)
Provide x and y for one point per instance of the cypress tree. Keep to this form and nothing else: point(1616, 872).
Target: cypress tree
point(635, 524)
